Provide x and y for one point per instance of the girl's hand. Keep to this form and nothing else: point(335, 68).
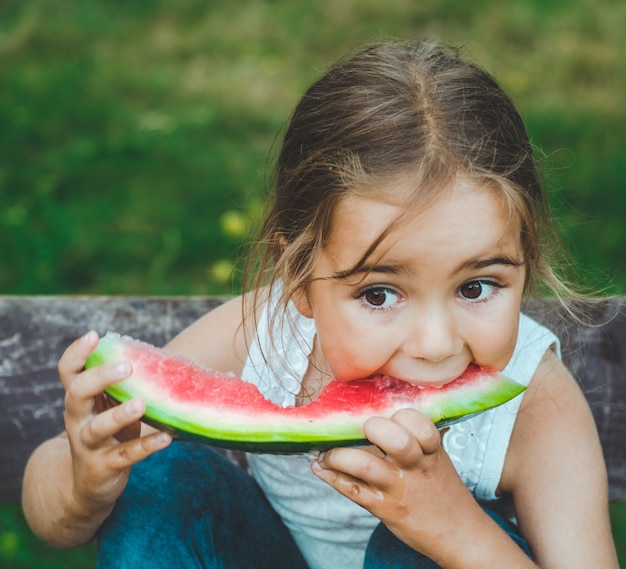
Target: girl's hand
point(407, 480)
point(105, 440)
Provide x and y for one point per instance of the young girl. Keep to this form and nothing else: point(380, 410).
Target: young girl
point(407, 227)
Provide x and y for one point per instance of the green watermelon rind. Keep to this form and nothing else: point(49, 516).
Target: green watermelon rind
point(234, 429)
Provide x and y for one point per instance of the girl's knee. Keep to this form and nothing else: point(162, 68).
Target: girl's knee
point(184, 481)
point(186, 506)
point(170, 498)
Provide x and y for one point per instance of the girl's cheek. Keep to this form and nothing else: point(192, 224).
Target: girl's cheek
point(497, 348)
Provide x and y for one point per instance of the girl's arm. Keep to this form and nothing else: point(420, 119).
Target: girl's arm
point(408, 482)
point(554, 469)
point(218, 340)
point(72, 481)
point(556, 473)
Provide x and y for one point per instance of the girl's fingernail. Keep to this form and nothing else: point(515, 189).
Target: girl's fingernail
point(163, 440)
point(316, 467)
point(132, 407)
point(122, 369)
point(87, 338)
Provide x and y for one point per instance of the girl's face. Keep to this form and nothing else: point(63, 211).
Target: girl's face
point(441, 291)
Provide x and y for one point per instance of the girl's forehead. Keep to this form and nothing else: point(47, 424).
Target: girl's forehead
point(411, 201)
point(461, 217)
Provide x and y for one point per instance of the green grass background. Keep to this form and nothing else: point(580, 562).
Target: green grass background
point(134, 137)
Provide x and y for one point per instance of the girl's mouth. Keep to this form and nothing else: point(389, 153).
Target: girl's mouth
point(438, 383)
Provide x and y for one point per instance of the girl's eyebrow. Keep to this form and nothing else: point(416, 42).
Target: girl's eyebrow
point(389, 269)
point(489, 262)
point(399, 268)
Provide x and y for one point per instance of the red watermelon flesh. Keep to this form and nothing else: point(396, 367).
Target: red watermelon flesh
point(194, 402)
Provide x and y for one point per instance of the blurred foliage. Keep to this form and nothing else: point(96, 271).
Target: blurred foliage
point(129, 129)
point(20, 549)
point(134, 135)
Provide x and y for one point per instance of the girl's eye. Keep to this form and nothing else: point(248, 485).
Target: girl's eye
point(476, 291)
point(379, 297)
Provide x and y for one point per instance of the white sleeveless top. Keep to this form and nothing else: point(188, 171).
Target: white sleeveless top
point(331, 530)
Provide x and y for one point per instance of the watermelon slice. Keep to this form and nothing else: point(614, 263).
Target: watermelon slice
point(194, 402)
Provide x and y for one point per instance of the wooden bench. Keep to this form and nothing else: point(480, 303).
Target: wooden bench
point(34, 332)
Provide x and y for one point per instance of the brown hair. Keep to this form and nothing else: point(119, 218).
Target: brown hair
point(391, 110)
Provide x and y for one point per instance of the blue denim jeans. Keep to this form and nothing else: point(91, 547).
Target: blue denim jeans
point(386, 551)
point(189, 507)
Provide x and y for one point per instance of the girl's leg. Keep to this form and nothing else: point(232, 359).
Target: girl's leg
point(187, 506)
point(386, 551)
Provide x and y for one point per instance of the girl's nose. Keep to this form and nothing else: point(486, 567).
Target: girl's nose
point(433, 335)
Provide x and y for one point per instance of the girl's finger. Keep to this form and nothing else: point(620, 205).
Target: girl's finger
point(421, 427)
point(369, 496)
point(95, 380)
point(132, 431)
point(124, 455)
point(406, 438)
point(73, 359)
point(82, 391)
point(347, 467)
point(99, 430)
point(395, 440)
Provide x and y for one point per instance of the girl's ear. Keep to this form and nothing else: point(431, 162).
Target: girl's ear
point(300, 299)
